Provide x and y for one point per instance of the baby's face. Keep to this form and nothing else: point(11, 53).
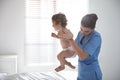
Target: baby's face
point(57, 27)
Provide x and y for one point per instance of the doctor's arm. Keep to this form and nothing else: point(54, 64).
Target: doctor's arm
point(81, 54)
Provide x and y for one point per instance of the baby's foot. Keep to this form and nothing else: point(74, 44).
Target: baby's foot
point(59, 68)
point(70, 65)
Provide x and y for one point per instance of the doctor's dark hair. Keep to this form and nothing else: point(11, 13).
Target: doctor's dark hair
point(60, 18)
point(89, 21)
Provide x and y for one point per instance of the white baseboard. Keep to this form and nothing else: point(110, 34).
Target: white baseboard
point(8, 64)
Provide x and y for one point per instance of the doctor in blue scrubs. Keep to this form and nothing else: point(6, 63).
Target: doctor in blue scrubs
point(87, 46)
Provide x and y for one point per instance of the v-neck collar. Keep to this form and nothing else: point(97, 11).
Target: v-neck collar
point(86, 38)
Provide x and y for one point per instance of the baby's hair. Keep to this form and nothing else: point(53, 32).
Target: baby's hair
point(89, 20)
point(60, 18)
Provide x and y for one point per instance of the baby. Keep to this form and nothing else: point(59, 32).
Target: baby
point(59, 24)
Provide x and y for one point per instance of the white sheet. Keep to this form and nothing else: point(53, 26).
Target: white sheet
point(63, 75)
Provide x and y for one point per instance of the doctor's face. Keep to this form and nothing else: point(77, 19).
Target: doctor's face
point(86, 31)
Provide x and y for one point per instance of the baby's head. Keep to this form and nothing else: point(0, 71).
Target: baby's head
point(59, 21)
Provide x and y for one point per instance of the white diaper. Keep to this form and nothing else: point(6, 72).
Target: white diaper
point(74, 55)
point(70, 48)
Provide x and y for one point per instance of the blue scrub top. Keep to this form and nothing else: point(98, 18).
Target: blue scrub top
point(89, 69)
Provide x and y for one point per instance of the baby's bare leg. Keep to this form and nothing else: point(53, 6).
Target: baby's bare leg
point(69, 54)
point(61, 58)
point(70, 65)
point(59, 68)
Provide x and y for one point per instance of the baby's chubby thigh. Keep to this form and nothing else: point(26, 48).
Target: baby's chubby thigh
point(67, 53)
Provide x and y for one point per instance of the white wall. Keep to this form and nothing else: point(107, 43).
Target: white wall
point(12, 26)
point(109, 25)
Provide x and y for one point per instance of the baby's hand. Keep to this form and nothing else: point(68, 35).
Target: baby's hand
point(53, 35)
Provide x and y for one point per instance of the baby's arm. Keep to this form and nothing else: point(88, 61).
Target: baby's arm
point(54, 35)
